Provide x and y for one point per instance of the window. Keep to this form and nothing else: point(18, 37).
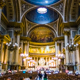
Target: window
point(73, 33)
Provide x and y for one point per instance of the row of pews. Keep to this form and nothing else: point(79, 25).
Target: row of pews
point(62, 76)
point(18, 75)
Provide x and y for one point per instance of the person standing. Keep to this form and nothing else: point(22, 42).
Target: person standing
point(45, 76)
point(9, 78)
point(40, 75)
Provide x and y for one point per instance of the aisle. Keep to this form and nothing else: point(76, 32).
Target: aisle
point(41, 79)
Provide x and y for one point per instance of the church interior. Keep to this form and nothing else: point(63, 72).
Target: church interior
point(39, 35)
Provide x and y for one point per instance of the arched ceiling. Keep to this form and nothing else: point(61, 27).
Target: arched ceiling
point(41, 34)
point(42, 2)
point(48, 17)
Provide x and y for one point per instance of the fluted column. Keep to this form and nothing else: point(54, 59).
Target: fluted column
point(17, 52)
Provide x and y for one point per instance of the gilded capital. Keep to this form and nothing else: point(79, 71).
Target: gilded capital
point(2, 3)
point(17, 32)
point(66, 32)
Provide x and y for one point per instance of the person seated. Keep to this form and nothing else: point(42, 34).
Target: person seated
point(30, 77)
point(9, 78)
point(21, 78)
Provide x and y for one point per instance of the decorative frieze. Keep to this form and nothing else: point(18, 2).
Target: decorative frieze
point(2, 3)
point(59, 7)
point(25, 7)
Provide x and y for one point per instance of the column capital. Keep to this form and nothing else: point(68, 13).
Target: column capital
point(2, 40)
point(18, 32)
point(66, 32)
point(2, 3)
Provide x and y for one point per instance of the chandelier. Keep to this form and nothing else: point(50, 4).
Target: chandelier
point(71, 47)
point(12, 46)
point(25, 56)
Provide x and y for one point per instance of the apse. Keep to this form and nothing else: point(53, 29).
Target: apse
point(42, 2)
point(41, 34)
point(42, 15)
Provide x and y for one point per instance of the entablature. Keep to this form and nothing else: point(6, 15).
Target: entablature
point(61, 38)
point(77, 39)
point(5, 38)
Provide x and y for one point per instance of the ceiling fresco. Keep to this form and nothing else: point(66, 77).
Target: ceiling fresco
point(42, 2)
point(48, 17)
point(41, 34)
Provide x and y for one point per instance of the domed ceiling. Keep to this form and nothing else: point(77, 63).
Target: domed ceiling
point(39, 18)
point(42, 2)
point(41, 34)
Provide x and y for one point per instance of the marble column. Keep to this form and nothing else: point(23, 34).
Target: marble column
point(56, 48)
point(11, 56)
point(17, 52)
point(73, 57)
point(62, 46)
point(1, 56)
point(2, 53)
point(25, 52)
point(46, 61)
point(77, 58)
point(66, 50)
point(22, 64)
point(37, 61)
point(28, 47)
point(6, 57)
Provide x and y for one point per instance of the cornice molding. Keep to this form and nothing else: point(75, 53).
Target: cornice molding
point(77, 39)
point(4, 19)
point(61, 38)
point(23, 38)
point(2, 3)
point(42, 44)
point(40, 54)
point(68, 24)
point(6, 38)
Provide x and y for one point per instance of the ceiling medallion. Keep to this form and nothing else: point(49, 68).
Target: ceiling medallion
point(42, 10)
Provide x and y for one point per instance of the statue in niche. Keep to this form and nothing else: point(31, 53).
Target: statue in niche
point(23, 7)
point(41, 62)
point(29, 26)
